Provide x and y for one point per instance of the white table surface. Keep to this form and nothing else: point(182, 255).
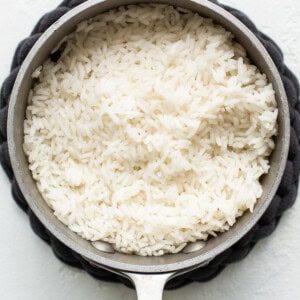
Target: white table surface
point(29, 270)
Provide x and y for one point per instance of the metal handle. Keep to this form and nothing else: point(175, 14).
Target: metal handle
point(149, 287)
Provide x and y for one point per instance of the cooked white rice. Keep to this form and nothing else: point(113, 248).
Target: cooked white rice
point(151, 131)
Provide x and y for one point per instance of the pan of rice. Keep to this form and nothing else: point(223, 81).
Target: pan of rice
point(148, 137)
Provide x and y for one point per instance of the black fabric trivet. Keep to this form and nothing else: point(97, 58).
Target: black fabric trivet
point(284, 198)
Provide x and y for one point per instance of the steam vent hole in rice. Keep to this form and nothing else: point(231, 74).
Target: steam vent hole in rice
point(151, 130)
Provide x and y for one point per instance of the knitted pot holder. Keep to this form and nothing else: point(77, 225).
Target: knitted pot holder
point(284, 198)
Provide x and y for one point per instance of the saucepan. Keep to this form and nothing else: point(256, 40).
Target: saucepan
point(149, 274)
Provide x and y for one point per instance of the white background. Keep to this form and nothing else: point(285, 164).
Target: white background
point(28, 268)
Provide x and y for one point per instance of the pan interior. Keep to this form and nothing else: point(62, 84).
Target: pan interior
point(134, 263)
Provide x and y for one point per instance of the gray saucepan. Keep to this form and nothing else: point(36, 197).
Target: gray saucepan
point(149, 274)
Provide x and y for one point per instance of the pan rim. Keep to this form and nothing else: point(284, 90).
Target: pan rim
point(111, 263)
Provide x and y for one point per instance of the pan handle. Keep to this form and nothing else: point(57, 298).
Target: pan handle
point(149, 286)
